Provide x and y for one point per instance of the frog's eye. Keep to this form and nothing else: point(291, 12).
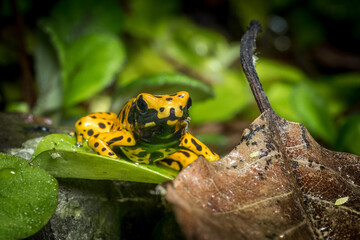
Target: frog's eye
point(141, 104)
point(189, 103)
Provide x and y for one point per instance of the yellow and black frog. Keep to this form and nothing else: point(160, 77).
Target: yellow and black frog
point(149, 128)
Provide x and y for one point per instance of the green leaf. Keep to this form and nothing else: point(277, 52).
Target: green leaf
point(91, 63)
point(28, 197)
point(349, 135)
point(201, 50)
point(230, 97)
point(142, 61)
point(337, 97)
point(82, 18)
point(165, 83)
point(85, 17)
point(86, 48)
point(59, 156)
point(48, 76)
point(280, 95)
point(270, 71)
point(313, 111)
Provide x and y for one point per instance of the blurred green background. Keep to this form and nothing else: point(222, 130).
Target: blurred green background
point(64, 59)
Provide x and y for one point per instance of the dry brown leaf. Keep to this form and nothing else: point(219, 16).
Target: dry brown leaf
point(278, 183)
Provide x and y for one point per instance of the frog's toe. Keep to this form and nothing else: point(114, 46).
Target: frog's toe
point(214, 157)
point(79, 144)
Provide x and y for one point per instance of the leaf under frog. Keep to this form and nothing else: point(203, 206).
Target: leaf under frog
point(58, 155)
point(277, 183)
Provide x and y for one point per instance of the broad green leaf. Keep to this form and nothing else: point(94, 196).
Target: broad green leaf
point(165, 83)
point(337, 97)
point(270, 71)
point(59, 156)
point(28, 197)
point(313, 111)
point(280, 94)
point(199, 49)
point(142, 61)
point(91, 63)
point(231, 96)
point(82, 18)
point(349, 135)
point(86, 48)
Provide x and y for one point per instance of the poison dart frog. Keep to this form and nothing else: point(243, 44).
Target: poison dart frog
point(149, 128)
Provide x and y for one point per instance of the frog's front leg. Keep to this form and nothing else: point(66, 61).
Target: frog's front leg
point(101, 143)
point(190, 142)
point(179, 160)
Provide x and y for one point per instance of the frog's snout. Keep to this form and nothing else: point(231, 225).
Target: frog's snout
point(172, 112)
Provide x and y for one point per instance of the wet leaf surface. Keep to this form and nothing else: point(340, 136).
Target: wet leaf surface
point(28, 197)
point(277, 183)
point(58, 155)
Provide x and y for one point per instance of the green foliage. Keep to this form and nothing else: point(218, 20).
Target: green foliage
point(71, 20)
point(87, 52)
point(90, 65)
point(280, 95)
point(28, 197)
point(349, 135)
point(270, 71)
point(232, 96)
point(163, 83)
point(91, 53)
point(142, 62)
point(313, 111)
point(201, 50)
point(48, 76)
point(146, 18)
point(58, 155)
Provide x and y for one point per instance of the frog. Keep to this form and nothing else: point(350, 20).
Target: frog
point(148, 129)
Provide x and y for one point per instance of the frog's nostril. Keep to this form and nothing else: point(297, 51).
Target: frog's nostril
point(172, 111)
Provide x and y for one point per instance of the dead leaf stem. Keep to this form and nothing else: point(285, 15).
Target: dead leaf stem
point(246, 57)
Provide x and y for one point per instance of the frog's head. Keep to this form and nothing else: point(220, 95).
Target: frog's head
point(161, 116)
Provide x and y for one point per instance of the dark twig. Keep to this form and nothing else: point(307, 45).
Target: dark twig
point(246, 57)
